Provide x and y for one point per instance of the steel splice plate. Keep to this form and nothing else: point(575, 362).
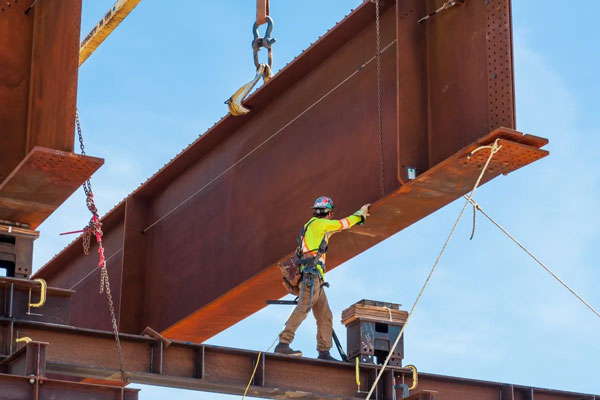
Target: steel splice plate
point(42, 182)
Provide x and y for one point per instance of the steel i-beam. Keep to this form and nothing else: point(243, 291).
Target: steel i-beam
point(87, 353)
point(194, 249)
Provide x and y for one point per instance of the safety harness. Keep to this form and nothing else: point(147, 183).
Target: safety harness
point(309, 264)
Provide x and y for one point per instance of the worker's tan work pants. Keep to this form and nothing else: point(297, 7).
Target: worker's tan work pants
point(321, 311)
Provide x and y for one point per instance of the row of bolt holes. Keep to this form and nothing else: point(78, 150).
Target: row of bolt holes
point(8, 5)
point(406, 14)
point(47, 166)
point(492, 65)
point(52, 163)
point(522, 157)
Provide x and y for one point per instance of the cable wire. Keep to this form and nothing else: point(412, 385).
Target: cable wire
point(258, 357)
point(537, 260)
point(360, 68)
point(493, 150)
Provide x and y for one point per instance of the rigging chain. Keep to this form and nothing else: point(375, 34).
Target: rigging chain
point(95, 227)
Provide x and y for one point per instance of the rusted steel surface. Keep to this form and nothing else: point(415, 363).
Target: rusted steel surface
point(371, 329)
point(428, 395)
point(41, 182)
point(38, 90)
point(16, 37)
point(16, 250)
point(207, 257)
point(19, 388)
point(23, 376)
point(54, 67)
point(29, 360)
point(38, 77)
point(430, 191)
point(15, 297)
point(77, 352)
point(478, 88)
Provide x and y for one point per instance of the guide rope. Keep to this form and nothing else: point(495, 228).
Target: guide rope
point(258, 357)
point(494, 148)
point(537, 260)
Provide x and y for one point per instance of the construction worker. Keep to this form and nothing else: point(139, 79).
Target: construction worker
point(313, 247)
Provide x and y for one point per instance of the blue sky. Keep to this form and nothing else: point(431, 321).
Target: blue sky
point(490, 312)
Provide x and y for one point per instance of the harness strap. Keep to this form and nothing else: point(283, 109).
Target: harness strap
point(310, 261)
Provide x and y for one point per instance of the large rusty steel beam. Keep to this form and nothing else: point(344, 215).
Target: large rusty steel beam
point(76, 352)
point(38, 77)
point(23, 377)
point(193, 250)
point(62, 351)
point(38, 92)
point(15, 387)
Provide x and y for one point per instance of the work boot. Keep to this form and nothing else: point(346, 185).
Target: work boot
point(284, 348)
point(324, 355)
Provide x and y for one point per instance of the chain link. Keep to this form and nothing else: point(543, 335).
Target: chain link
point(111, 307)
point(379, 114)
point(86, 239)
point(95, 227)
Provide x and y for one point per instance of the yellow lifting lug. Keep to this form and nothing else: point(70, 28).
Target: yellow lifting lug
point(24, 339)
point(415, 376)
point(357, 374)
point(234, 103)
point(43, 290)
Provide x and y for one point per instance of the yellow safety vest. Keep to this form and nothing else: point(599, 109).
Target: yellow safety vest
point(319, 230)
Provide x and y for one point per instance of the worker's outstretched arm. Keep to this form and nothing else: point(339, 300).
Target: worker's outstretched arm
point(358, 217)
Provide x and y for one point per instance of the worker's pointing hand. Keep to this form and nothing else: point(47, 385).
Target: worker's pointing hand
point(365, 210)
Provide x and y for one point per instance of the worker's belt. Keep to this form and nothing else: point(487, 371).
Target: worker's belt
point(308, 259)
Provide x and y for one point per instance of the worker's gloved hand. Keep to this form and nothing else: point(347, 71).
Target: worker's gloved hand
point(363, 213)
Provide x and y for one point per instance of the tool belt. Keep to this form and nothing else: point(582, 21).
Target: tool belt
point(293, 269)
point(301, 263)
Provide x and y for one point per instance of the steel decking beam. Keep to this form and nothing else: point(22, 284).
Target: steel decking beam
point(90, 353)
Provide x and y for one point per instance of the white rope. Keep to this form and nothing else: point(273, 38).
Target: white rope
point(389, 312)
point(493, 150)
point(478, 207)
point(258, 357)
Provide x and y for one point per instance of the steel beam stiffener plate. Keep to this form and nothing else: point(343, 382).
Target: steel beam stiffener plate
point(42, 182)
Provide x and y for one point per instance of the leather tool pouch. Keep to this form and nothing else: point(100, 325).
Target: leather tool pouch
point(290, 274)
